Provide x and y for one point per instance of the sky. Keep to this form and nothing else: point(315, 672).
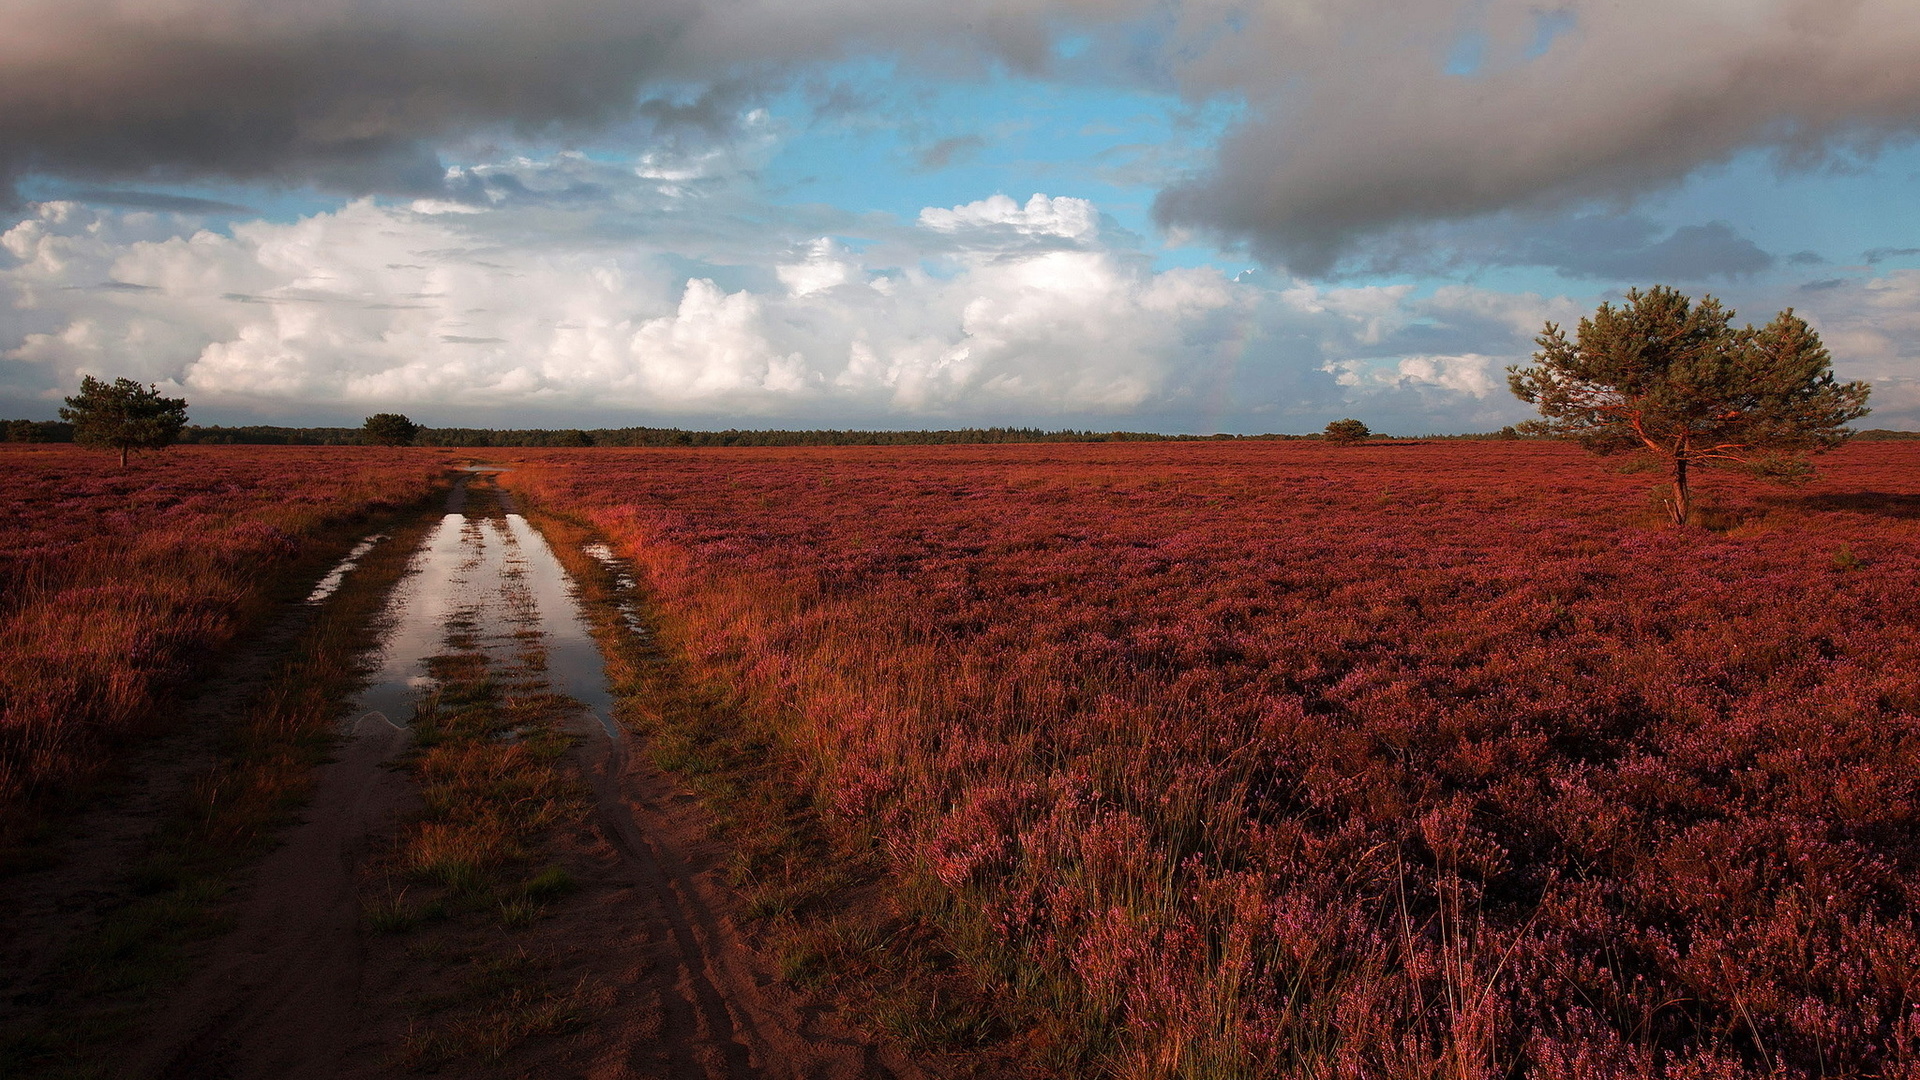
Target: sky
point(1179, 215)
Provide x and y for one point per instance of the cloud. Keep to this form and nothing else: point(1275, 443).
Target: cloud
point(393, 307)
point(1065, 218)
point(1361, 118)
point(1609, 247)
point(577, 291)
point(1356, 128)
point(1472, 374)
point(1879, 255)
point(713, 346)
point(1872, 327)
point(524, 311)
point(346, 95)
point(824, 266)
point(361, 97)
point(154, 200)
point(949, 152)
point(1626, 249)
point(1414, 359)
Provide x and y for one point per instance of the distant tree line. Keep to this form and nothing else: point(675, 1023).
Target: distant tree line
point(54, 431)
point(38, 431)
point(268, 435)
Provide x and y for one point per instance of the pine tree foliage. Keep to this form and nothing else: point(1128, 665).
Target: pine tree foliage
point(124, 415)
point(1348, 432)
point(1675, 378)
point(390, 429)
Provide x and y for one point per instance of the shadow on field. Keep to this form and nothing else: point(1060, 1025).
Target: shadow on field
point(1883, 503)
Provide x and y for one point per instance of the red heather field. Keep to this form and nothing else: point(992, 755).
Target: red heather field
point(115, 584)
point(1285, 760)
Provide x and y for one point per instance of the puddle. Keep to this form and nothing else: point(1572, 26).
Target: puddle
point(331, 583)
point(574, 664)
point(491, 585)
point(623, 578)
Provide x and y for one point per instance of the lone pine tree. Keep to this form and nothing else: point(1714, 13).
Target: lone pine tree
point(124, 416)
point(1348, 432)
point(1674, 378)
point(390, 429)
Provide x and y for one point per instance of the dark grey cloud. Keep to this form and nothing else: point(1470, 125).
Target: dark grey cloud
point(714, 110)
point(1880, 255)
point(949, 152)
point(285, 298)
point(115, 286)
point(839, 100)
point(492, 188)
point(347, 95)
point(155, 200)
point(1630, 248)
point(1355, 129)
point(359, 95)
point(1806, 258)
point(1600, 247)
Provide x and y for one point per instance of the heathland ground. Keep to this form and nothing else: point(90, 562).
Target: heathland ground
point(1287, 759)
point(1146, 760)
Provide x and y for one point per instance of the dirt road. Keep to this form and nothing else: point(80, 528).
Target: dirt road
point(641, 971)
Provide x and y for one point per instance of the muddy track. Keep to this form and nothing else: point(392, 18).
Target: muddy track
point(43, 912)
point(278, 996)
point(302, 988)
point(726, 1015)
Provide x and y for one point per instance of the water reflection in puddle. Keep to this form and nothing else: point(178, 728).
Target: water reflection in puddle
point(486, 584)
point(574, 665)
point(623, 578)
point(331, 583)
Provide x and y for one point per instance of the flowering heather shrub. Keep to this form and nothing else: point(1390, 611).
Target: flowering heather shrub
point(1405, 760)
point(115, 583)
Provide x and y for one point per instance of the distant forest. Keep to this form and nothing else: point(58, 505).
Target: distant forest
point(264, 435)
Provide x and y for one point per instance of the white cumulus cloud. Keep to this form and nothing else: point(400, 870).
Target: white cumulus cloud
point(586, 295)
point(1067, 218)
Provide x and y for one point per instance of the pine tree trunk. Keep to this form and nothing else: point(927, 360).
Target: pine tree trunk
point(123, 457)
point(1680, 507)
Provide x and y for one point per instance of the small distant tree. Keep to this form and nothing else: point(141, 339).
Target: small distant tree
point(1676, 379)
point(1348, 432)
point(124, 415)
point(390, 429)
